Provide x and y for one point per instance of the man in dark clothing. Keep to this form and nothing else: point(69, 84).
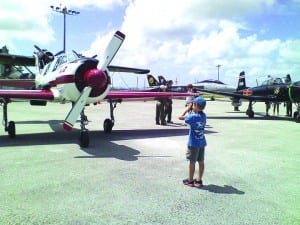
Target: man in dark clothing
point(160, 115)
point(169, 102)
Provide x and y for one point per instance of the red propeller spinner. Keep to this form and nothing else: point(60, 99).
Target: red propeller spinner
point(97, 80)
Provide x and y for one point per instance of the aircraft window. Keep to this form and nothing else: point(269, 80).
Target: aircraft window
point(45, 70)
point(61, 60)
point(277, 81)
point(72, 57)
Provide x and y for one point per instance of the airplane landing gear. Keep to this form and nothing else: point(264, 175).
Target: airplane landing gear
point(109, 123)
point(10, 126)
point(250, 111)
point(297, 114)
point(84, 138)
point(11, 129)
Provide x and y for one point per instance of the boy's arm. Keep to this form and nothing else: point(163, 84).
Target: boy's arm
point(187, 109)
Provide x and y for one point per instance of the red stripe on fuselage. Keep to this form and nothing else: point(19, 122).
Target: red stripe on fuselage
point(65, 79)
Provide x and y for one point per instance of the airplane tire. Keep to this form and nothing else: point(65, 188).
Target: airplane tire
point(84, 139)
point(11, 129)
point(250, 113)
point(107, 126)
point(298, 118)
point(295, 115)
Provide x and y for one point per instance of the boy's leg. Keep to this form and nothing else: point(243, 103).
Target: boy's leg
point(191, 170)
point(201, 170)
point(201, 167)
point(191, 155)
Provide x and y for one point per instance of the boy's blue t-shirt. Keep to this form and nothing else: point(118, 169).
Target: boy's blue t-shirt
point(197, 122)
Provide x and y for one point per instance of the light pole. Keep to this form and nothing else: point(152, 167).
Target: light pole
point(218, 70)
point(65, 12)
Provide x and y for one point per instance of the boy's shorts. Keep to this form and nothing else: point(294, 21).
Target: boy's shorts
point(195, 154)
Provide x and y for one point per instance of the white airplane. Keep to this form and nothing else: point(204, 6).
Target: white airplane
point(210, 85)
point(213, 85)
point(70, 77)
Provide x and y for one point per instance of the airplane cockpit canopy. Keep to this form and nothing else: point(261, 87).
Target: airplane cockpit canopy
point(275, 81)
point(59, 60)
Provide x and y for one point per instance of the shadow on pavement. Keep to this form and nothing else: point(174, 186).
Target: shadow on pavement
point(108, 149)
point(226, 189)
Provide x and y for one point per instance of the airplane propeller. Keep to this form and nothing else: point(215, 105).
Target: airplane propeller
point(94, 79)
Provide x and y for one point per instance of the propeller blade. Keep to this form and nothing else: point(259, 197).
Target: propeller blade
point(76, 109)
point(108, 56)
point(112, 49)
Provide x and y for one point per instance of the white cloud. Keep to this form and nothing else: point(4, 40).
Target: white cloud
point(29, 20)
point(183, 39)
point(189, 38)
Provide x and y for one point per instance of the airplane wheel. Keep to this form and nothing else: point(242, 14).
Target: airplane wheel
point(250, 113)
point(84, 139)
point(11, 129)
point(108, 125)
point(297, 118)
point(295, 115)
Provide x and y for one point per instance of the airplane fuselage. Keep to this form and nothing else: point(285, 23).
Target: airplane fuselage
point(67, 75)
point(277, 93)
point(213, 85)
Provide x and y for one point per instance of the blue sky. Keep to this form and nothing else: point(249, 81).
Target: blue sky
point(183, 40)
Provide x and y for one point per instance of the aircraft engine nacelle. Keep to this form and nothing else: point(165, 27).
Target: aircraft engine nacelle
point(88, 75)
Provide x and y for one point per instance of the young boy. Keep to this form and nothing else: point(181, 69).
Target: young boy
point(196, 140)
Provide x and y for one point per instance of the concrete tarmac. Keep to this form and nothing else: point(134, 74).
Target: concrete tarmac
point(134, 175)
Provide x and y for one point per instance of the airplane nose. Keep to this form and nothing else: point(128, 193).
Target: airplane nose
point(97, 80)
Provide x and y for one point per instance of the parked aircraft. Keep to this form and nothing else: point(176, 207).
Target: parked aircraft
point(210, 85)
point(12, 71)
point(70, 77)
point(271, 90)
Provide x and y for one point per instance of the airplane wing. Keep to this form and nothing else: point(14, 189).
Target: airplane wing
point(26, 94)
point(116, 95)
point(18, 83)
point(244, 95)
point(127, 69)
point(17, 60)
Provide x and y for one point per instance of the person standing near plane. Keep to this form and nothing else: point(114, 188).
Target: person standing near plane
point(276, 108)
point(196, 140)
point(189, 99)
point(288, 104)
point(169, 103)
point(160, 116)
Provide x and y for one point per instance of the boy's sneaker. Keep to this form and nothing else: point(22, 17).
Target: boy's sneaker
point(188, 182)
point(198, 183)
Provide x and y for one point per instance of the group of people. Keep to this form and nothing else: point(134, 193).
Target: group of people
point(288, 104)
point(163, 113)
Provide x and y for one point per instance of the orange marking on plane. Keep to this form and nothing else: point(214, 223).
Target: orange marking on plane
point(247, 92)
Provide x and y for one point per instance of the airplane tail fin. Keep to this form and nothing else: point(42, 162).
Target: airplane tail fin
point(152, 81)
point(242, 81)
point(162, 80)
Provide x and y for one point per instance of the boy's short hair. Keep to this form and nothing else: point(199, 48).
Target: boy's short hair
point(199, 101)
